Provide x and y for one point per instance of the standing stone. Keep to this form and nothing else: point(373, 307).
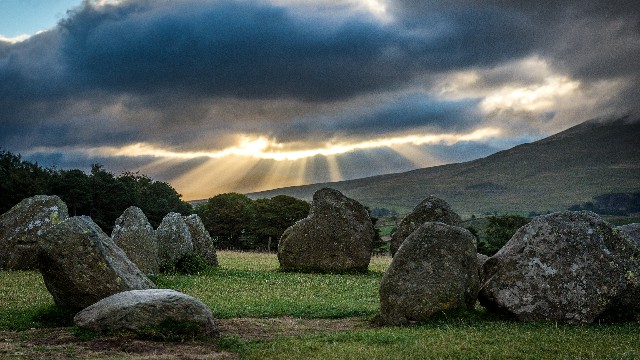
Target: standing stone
point(135, 236)
point(22, 226)
point(202, 242)
point(434, 270)
point(569, 267)
point(174, 239)
point(149, 310)
point(337, 236)
point(81, 265)
point(431, 209)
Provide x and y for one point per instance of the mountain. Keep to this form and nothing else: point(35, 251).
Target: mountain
point(571, 167)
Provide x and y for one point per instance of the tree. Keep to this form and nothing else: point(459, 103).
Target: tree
point(273, 216)
point(227, 217)
point(498, 231)
point(20, 179)
point(155, 198)
point(74, 188)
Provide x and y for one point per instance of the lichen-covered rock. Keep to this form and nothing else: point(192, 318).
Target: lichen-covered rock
point(434, 270)
point(632, 230)
point(22, 226)
point(135, 236)
point(174, 239)
point(80, 264)
point(149, 310)
point(482, 258)
point(431, 209)
point(337, 236)
point(569, 267)
point(202, 242)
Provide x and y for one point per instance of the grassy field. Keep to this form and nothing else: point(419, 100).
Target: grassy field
point(267, 314)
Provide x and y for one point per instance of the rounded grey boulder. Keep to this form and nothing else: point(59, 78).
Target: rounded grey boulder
point(337, 236)
point(135, 236)
point(80, 264)
point(144, 310)
point(434, 270)
point(569, 267)
point(22, 226)
point(431, 209)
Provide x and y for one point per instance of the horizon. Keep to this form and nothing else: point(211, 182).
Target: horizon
point(246, 96)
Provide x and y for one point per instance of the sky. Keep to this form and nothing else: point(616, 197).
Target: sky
point(219, 96)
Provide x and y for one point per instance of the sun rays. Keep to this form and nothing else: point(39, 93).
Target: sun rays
point(257, 163)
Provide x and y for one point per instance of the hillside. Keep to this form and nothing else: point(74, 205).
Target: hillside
point(551, 174)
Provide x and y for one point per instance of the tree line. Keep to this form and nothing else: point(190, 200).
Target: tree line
point(233, 220)
point(98, 194)
point(237, 222)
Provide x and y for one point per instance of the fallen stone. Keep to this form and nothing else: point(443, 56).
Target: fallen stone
point(149, 310)
point(431, 209)
point(434, 270)
point(337, 237)
point(22, 226)
point(81, 265)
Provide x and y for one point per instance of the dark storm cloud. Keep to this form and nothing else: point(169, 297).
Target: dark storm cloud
point(149, 70)
point(591, 40)
point(262, 51)
point(252, 50)
point(152, 71)
point(413, 111)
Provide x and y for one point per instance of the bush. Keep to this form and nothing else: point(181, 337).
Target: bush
point(498, 231)
point(187, 265)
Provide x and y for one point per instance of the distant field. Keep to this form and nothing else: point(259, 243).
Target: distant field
point(267, 314)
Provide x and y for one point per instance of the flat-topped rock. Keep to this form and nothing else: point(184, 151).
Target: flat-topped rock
point(145, 310)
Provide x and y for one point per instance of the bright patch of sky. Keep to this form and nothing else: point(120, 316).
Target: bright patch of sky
point(23, 18)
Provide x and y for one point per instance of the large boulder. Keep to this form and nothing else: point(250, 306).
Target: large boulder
point(22, 226)
point(149, 310)
point(135, 236)
point(434, 270)
point(202, 242)
point(337, 236)
point(569, 267)
point(80, 264)
point(174, 239)
point(431, 209)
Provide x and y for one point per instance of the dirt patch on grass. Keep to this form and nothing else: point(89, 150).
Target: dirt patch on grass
point(62, 343)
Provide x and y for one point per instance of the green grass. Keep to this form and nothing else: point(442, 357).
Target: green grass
point(23, 300)
point(250, 285)
point(451, 340)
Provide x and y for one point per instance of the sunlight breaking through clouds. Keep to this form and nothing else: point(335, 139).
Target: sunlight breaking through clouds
point(263, 148)
point(535, 98)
